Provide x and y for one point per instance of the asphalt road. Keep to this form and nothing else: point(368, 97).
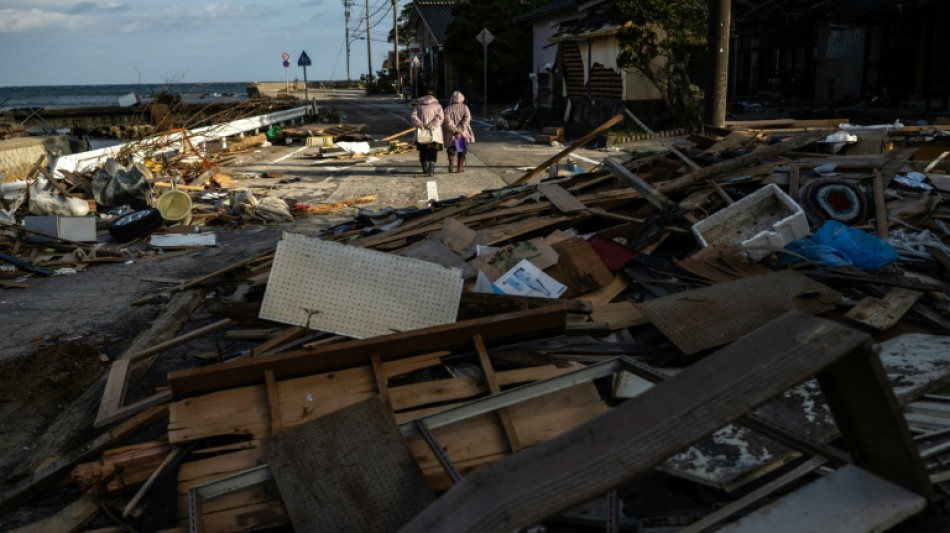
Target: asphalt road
point(396, 179)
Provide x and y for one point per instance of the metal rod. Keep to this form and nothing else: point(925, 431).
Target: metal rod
point(436, 448)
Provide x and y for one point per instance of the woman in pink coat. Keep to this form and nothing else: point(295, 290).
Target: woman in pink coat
point(428, 114)
point(458, 129)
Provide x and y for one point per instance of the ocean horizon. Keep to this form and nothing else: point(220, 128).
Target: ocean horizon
point(104, 95)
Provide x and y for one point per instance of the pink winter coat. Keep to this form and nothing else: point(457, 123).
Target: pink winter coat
point(458, 118)
point(428, 114)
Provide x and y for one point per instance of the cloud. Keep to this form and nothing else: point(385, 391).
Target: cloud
point(82, 7)
point(25, 20)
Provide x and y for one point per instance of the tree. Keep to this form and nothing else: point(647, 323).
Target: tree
point(509, 55)
point(662, 39)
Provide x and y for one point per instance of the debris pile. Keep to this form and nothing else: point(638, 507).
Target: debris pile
point(759, 315)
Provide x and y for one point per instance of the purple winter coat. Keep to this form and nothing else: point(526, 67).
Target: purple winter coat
point(428, 114)
point(458, 118)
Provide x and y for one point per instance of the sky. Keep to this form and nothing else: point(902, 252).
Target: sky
point(70, 42)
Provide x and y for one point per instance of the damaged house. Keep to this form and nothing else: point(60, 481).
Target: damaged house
point(575, 59)
point(430, 66)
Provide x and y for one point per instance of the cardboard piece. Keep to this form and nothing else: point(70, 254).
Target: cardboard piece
point(525, 279)
point(579, 267)
point(538, 251)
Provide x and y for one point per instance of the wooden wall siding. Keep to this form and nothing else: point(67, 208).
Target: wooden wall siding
point(606, 83)
point(573, 69)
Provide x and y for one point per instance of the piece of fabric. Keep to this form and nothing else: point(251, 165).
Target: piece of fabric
point(835, 199)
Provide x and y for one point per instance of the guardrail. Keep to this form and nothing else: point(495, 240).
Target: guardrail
point(173, 141)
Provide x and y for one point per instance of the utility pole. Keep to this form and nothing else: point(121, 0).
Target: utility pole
point(717, 62)
point(396, 45)
point(369, 45)
point(346, 10)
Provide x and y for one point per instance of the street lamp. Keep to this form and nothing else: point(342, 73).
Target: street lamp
point(415, 76)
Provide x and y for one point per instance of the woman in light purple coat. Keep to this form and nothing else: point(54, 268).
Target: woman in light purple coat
point(428, 114)
point(458, 129)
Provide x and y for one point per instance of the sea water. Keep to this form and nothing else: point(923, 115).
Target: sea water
point(60, 96)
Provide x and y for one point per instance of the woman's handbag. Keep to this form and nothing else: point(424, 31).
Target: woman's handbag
point(423, 135)
point(461, 145)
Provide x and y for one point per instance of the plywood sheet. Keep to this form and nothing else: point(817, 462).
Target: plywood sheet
point(348, 471)
point(357, 292)
point(705, 318)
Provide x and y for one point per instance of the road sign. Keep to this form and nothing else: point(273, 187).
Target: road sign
point(285, 57)
point(286, 63)
point(485, 37)
point(303, 60)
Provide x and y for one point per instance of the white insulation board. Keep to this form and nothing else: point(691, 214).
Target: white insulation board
point(356, 292)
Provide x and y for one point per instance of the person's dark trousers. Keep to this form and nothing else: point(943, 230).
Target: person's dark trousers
point(428, 155)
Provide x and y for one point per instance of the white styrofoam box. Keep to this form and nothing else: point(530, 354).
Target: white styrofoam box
point(79, 229)
point(767, 217)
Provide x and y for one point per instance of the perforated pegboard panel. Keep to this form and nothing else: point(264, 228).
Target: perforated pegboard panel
point(357, 292)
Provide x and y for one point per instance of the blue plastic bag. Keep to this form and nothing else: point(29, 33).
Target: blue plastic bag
point(461, 145)
point(819, 254)
point(865, 251)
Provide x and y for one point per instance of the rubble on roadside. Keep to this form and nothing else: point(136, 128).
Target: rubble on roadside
point(543, 351)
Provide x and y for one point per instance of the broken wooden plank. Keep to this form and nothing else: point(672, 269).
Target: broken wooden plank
point(394, 346)
point(574, 146)
point(49, 475)
point(849, 499)
point(666, 144)
point(561, 199)
point(744, 501)
point(139, 494)
point(113, 397)
point(773, 150)
point(883, 313)
point(68, 520)
point(619, 315)
point(494, 388)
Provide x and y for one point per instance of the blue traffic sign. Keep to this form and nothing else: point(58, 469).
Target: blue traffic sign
point(286, 63)
point(303, 60)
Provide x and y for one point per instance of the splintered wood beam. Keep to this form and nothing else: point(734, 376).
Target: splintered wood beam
point(292, 363)
point(381, 381)
point(788, 145)
point(492, 380)
point(666, 144)
point(51, 474)
point(113, 397)
point(400, 134)
point(564, 201)
point(273, 402)
point(574, 146)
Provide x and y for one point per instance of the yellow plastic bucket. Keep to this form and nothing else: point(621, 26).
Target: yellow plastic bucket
point(175, 207)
